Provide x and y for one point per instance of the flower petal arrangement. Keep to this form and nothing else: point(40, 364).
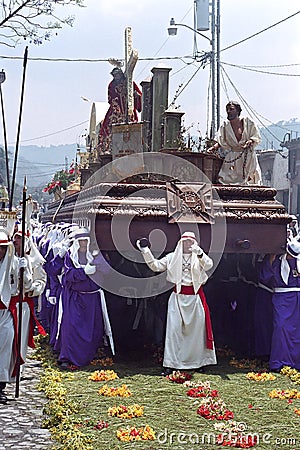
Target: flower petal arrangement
point(293, 374)
point(232, 434)
point(297, 411)
point(260, 376)
point(129, 434)
point(214, 410)
point(179, 377)
point(121, 391)
point(237, 440)
point(202, 391)
point(105, 362)
point(126, 412)
point(284, 394)
point(103, 375)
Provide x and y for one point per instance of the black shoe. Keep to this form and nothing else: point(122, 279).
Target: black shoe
point(167, 371)
point(64, 365)
point(3, 398)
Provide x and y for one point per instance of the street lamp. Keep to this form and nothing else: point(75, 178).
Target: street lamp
point(2, 79)
point(172, 30)
point(214, 59)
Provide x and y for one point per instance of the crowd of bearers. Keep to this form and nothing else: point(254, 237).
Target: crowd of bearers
point(73, 307)
point(13, 346)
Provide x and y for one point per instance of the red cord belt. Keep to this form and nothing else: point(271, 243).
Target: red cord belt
point(189, 290)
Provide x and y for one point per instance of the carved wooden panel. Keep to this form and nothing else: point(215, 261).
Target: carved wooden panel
point(189, 202)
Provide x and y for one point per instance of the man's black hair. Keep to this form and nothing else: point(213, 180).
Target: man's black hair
point(237, 106)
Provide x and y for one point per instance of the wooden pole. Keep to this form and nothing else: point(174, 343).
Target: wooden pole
point(21, 292)
point(5, 141)
point(18, 131)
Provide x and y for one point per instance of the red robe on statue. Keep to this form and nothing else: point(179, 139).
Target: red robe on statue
point(117, 110)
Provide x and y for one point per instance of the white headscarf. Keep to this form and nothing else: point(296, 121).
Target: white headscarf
point(174, 270)
point(293, 249)
point(80, 234)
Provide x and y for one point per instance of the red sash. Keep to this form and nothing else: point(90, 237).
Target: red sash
point(189, 290)
point(32, 321)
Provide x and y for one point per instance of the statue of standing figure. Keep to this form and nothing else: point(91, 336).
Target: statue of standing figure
point(238, 137)
point(117, 111)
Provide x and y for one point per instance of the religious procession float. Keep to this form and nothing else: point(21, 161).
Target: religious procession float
point(142, 179)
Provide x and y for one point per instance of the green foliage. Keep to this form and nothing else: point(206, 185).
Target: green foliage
point(76, 407)
point(29, 20)
point(61, 180)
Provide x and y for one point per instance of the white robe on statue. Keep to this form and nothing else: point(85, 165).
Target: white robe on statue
point(185, 342)
point(240, 166)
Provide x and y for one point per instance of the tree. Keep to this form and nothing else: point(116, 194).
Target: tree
point(32, 19)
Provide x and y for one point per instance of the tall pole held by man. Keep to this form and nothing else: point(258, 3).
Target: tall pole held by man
point(18, 131)
point(21, 291)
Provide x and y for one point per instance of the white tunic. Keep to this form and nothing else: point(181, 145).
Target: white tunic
point(240, 166)
point(6, 345)
point(185, 342)
point(7, 332)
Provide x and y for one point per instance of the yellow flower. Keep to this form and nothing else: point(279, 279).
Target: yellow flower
point(122, 391)
point(293, 374)
point(128, 434)
point(260, 376)
point(126, 412)
point(284, 394)
point(103, 375)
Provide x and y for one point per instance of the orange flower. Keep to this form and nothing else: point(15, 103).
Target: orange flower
point(126, 412)
point(122, 391)
point(128, 434)
point(103, 375)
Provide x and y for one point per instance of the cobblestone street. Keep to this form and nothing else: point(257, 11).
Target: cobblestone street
point(21, 418)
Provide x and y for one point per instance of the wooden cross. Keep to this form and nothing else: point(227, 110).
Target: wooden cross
point(131, 57)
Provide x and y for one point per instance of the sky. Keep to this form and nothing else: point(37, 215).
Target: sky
point(55, 113)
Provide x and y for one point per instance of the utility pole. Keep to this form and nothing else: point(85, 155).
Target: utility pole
point(218, 99)
point(203, 9)
point(202, 13)
point(215, 67)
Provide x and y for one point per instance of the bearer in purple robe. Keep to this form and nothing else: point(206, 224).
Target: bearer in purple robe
point(282, 273)
point(85, 322)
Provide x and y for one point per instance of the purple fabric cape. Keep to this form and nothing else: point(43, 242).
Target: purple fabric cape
point(81, 332)
point(285, 346)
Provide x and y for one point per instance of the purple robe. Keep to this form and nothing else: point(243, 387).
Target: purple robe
point(285, 346)
point(54, 269)
point(82, 329)
point(46, 307)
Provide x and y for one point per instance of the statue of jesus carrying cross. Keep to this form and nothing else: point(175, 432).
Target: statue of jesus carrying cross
point(124, 97)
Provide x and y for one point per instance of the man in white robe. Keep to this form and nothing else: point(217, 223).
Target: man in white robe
point(189, 340)
point(8, 281)
point(238, 138)
point(34, 285)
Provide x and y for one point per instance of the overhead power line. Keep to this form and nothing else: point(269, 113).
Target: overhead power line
point(54, 133)
point(261, 31)
point(251, 109)
point(89, 60)
point(262, 71)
